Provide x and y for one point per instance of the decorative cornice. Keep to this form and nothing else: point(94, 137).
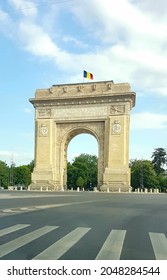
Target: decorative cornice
point(88, 100)
point(84, 93)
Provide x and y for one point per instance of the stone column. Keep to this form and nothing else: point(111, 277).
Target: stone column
point(43, 172)
point(117, 172)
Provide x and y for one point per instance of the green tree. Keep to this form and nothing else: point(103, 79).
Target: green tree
point(4, 174)
point(159, 160)
point(31, 166)
point(81, 165)
point(162, 182)
point(143, 174)
point(22, 175)
point(80, 182)
point(72, 172)
point(84, 166)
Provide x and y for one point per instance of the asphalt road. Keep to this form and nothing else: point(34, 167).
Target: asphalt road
point(82, 226)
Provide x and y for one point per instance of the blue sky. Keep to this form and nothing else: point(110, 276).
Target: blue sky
point(46, 42)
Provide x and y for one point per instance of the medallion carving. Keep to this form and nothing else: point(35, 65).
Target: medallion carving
point(116, 128)
point(43, 130)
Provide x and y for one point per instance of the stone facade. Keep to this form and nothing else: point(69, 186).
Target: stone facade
point(101, 109)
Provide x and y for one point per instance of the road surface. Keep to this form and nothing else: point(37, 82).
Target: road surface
point(82, 226)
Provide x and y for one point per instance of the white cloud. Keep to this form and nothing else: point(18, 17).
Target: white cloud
point(27, 8)
point(74, 41)
point(140, 151)
point(36, 41)
point(6, 26)
point(18, 157)
point(137, 41)
point(27, 110)
point(130, 41)
point(6, 153)
point(111, 21)
point(155, 8)
point(8, 156)
point(147, 120)
point(4, 18)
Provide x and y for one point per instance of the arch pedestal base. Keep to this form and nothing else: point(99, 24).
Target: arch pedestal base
point(114, 188)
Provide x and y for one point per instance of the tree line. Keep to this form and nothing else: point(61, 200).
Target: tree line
point(83, 171)
point(150, 174)
point(15, 175)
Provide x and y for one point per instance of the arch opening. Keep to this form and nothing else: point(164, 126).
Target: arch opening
point(82, 143)
point(81, 160)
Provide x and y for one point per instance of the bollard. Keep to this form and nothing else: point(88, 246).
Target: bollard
point(77, 189)
point(107, 189)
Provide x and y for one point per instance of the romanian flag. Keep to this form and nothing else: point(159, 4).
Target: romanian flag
point(87, 75)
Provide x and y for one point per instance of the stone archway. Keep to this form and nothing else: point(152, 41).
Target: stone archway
point(63, 111)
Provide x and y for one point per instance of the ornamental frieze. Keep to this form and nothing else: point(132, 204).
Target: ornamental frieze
point(117, 109)
point(44, 113)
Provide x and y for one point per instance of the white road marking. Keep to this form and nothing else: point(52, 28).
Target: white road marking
point(159, 243)
point(11, 211)
point(12, 229)
point(112, 247)
point(20, 241)
point(56, 250)
point(40, 207)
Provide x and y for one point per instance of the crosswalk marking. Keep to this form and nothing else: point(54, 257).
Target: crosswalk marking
point(12, 229)
point(20, 241)
point(111, 249)
point(60, 247)
point(159, 243)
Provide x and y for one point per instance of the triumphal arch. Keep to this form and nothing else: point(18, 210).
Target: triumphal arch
point(101, 109)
